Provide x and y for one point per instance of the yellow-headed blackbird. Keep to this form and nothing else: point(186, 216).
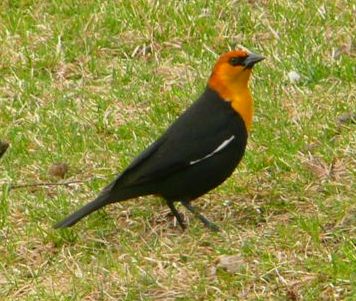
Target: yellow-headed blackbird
point(197, 152)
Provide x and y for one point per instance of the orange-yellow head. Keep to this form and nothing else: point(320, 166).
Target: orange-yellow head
point(230, 78)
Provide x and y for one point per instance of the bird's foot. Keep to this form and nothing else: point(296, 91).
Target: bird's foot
point(212, 227)
point(177, 215)
point(204, 220)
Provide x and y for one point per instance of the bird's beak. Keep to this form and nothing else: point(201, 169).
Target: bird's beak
point(252, 59)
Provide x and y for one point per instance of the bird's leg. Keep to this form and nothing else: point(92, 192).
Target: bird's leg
point(196, 212)
point(176, 214)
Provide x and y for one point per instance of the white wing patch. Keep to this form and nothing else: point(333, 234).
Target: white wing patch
point(218, 149)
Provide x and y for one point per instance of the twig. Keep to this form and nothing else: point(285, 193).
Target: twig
point(44, 184)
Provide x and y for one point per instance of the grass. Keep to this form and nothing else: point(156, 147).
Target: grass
point(91, 83)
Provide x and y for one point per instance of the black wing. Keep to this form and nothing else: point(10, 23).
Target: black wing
point(197, 133)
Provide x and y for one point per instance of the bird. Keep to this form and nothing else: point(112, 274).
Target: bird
point(197, 152)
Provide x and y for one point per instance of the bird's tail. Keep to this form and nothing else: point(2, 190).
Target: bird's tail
point(99, 202)
point(107, 196)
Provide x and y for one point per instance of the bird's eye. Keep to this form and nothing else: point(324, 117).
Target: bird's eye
point(237, 61)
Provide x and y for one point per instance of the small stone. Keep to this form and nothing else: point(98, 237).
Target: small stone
point(294, 76)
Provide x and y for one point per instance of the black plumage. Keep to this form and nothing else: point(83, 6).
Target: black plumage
point(197, 152)
point(177, 166)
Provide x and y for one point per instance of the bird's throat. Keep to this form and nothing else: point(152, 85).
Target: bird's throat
point(239, 97)
point(243, 104)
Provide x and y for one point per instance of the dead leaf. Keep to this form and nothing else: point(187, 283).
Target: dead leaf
point(58, 170)
point(322, 170)
point(230, 264)
point(338, 169)
point(346, 118)
point(318, 167)
point(346, 48)
point(292, 294)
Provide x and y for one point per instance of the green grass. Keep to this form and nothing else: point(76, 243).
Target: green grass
point(91, 83)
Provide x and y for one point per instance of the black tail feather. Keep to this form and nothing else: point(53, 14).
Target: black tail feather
point(102, 200)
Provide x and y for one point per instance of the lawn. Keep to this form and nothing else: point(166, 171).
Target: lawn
point(89, 84)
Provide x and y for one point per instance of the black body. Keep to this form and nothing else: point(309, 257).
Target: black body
point(185, 162)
